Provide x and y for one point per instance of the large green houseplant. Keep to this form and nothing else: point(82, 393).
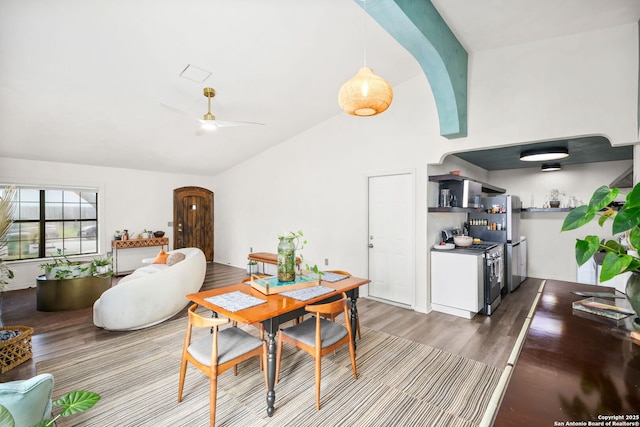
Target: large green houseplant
point(7, 210)
point(619, 258)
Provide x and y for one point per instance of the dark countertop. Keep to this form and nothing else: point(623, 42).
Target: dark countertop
point(573, 366)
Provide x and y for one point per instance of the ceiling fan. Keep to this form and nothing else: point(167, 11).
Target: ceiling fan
point(209, 121)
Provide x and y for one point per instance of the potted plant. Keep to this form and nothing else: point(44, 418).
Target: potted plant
point(554, 198)
point(618, 258)
point(117, 235)
point(252, 267)
point(62, 267)
point(102, 265)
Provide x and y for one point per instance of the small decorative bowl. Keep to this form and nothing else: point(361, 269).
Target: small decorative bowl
point(158, 233)
point(463, 240)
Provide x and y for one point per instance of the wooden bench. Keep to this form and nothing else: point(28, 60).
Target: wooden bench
point(267, 258)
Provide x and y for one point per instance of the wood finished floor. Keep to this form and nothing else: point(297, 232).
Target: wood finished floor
point(488, 339)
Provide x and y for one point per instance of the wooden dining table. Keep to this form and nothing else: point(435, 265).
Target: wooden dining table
point(277, 310)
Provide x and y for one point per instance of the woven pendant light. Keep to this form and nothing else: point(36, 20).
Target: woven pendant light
point(366, 94)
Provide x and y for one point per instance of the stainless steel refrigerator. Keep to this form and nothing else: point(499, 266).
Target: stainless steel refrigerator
point(499, 221)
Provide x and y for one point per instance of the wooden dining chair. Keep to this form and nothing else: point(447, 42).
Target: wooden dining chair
point(344, 273)
point(217, 352)
point(319, 336)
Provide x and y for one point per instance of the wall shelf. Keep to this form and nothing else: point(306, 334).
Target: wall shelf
point(454, 210)
point(546, 209)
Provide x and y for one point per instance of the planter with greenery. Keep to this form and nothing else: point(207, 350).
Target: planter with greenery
point(619, 258)
point(252, 267)
point(61, 268)
point(102, 266)
point(70, 285)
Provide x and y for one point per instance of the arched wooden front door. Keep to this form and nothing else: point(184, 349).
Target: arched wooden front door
point(193, 219)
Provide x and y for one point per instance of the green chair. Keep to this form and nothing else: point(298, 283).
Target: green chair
point(28, 401)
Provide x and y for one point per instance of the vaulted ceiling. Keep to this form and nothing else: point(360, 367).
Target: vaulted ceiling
point(84, 81)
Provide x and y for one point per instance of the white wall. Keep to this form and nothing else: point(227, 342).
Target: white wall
point(131, 199)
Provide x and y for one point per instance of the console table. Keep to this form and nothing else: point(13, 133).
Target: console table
point(135, 243)
point(573, 367)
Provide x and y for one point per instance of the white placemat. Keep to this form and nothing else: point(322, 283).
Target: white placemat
point(235, 301)
point(307, 293)
point(328, 276)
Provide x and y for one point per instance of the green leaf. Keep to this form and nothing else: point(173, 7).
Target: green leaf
point(77, 401)
point(6, 419)
point(613, 264)
point(633, 198)
point(615, 246)
point(609, 213)
point(626, 219)
point(586, 248)
point(602, 197)
point(634, 237)
point(577, 218)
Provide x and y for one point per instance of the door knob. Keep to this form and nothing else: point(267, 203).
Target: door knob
point(370, 245)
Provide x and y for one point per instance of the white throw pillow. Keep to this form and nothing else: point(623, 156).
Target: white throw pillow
point(174, 258)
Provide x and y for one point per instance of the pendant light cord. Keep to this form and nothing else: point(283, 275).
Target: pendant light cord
point(365, 31)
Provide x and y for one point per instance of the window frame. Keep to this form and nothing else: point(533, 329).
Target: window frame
point(70, 245)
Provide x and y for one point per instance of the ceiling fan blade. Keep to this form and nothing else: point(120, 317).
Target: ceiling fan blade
point(175, 110)
point(224, 123)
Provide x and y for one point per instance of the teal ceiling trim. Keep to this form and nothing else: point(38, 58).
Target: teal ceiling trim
point(417, 25)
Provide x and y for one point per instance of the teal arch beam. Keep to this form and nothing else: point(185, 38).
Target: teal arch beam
point(419, 28)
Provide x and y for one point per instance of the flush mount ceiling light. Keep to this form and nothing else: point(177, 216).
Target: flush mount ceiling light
point(366, 94)
point(550, 167)
point(544, 154)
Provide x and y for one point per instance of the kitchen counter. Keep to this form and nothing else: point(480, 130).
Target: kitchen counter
point(573, 366)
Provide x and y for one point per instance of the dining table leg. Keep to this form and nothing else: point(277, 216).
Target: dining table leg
point(271, 328)
point(354, 315)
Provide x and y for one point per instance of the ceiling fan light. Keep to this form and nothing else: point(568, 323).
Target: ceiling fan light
point(208, 126)
point(550, 167)
point(544, 155)
point(366, 94)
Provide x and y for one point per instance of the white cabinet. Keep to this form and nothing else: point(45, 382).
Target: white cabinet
point(457, 283)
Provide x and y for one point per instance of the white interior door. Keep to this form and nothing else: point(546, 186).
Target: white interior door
point(390, 238)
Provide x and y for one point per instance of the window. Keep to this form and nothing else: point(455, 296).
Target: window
point(49, 219)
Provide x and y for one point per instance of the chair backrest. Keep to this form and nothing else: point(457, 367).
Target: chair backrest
point(199, 321)
point(335, 307)
point(344, 273)
point(28, 401)
point(332, 309)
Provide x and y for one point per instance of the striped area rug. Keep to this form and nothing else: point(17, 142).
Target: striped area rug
point(399, 383)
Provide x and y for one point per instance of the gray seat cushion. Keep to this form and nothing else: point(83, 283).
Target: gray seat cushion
point(232, 342)
point(305, 332)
